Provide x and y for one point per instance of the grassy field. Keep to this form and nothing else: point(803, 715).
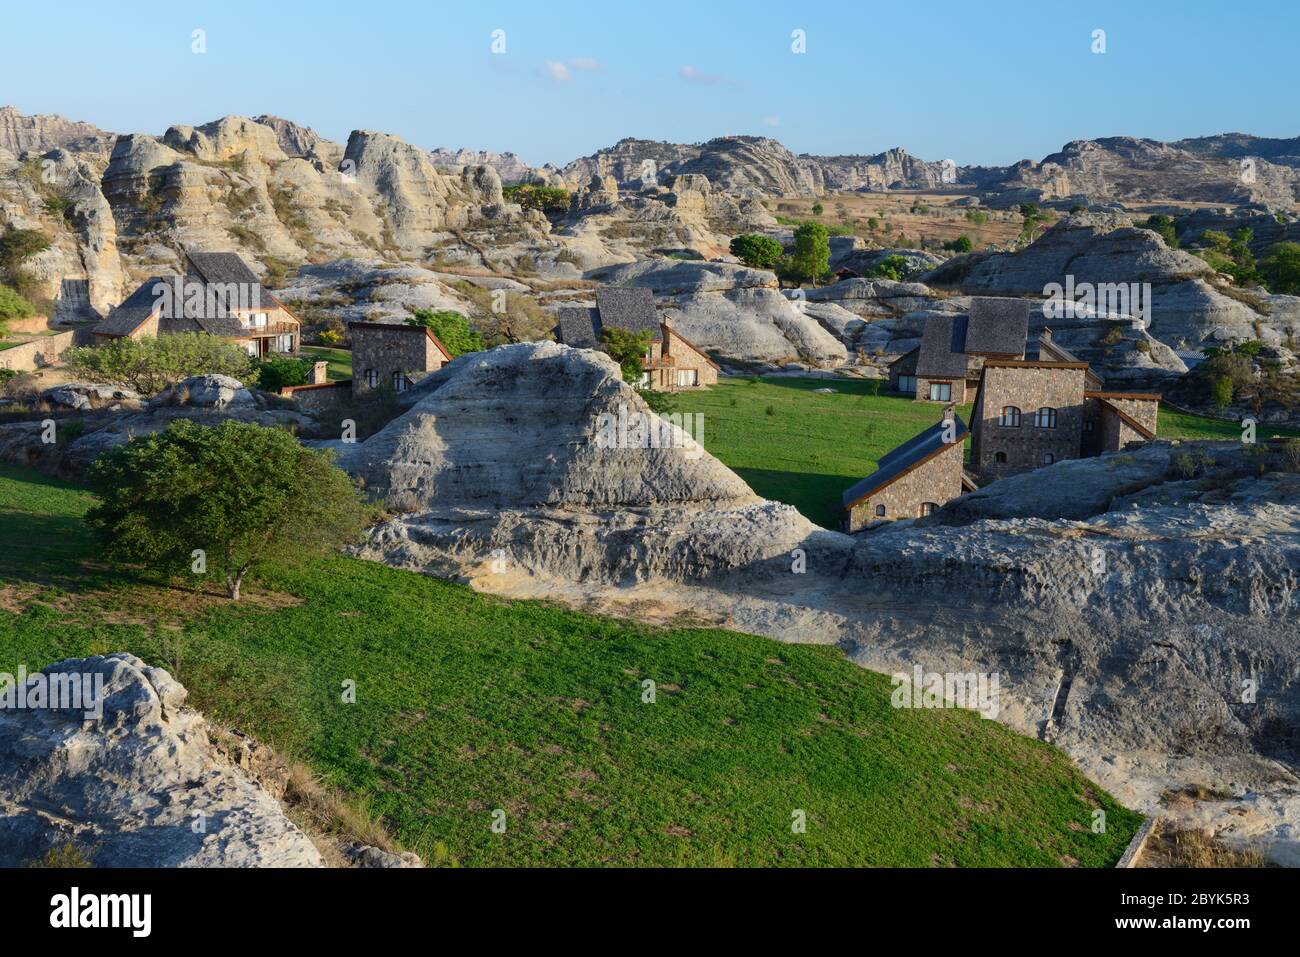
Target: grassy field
point(340, 361)
point(796, 446)
point(467, 704)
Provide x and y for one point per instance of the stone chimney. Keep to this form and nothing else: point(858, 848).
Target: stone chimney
point(1045, 335)
point(319, 374)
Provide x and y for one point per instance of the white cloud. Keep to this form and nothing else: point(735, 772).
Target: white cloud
point(585, 63)
point(558, 71)
point(692, 75)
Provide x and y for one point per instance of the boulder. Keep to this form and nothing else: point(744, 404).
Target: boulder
point(138, 786)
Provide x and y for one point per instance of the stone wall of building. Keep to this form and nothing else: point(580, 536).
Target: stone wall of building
point(957, 393)
point(29, 356)
point(313, 399)
point(1027, 446)
point(388, 348)
point(937, 480)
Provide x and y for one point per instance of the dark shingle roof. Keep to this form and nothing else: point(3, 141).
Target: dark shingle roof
point(901, 459)
point(579, 327)
point(221, 268)
point(628, 307)
point(133, 310)
point(943, 348)
point(997, 326)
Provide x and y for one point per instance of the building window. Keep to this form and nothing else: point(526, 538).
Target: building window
point(907, 383)
point(940, 391)
point(1049, 458)
point(999, 456)
point(928, 508)
point(284, 344)
point(1010, 417)
point(251, 347)
point(1045, 418)
point(1087, 426)
point(372, 378)
point(880, 511)
point(688, 377)
point(399, 382)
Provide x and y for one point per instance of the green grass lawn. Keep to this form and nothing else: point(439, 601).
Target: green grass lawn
point(340, 361)
point(467, 703)
point(811, 447)
point(795, 446)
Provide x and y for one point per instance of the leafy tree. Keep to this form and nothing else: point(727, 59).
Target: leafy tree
point(242, 494)
point(812, 252)
point(451, 328)
point(961, 244)
point(150, 365)
point(1030, 210)
point(761, 252)
point(1213, 239)
point(16, 247)
point(549, 199)
point(1281, 268)
point(872, 223)
point(818, 209)
point(278, 372)
point(628, 349)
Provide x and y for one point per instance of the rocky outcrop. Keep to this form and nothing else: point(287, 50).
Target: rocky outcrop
point(733, 310)
point(1132, 662)
point(40, 133)
point(138, 785)
point(509, 167)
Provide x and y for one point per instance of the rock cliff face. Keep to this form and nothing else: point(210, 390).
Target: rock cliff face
point(1132, 662)
point(140, 786)
point(1223, 169)
point(42, 133)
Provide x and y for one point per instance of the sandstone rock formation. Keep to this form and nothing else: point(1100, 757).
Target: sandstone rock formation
point(140, 786)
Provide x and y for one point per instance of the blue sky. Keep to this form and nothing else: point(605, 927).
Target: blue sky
point(988, 82)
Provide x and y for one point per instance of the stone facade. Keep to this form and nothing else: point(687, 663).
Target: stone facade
point(393, 355)
point(36, 354)
point(1029, 414)
point(903, 379)
point(673, 363)
point(934, 481)
point(956, 389)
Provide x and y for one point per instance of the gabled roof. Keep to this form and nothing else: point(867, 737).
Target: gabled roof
point(132, 311)
point(579, 327)
point(628, 307)
point(943, 348)
point(908, 456)
point(220, 268)
point(997, 326)
point(407, 327)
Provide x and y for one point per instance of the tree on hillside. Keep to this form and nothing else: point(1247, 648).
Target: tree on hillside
point(961, 244)
point(628, 349)
point(761, 252)
point(812, 252)
point(891, 267)
point(230, 497)
point(1281, 268)
point(1163, 226)
point(16, 247)
point(150, 365)
point(451, 328)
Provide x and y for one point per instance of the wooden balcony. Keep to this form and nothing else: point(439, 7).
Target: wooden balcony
point(270, 329)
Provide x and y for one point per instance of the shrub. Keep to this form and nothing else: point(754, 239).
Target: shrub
point(1222, 395)
point(1291, 455)
point(451, 328)
point(330, 337)
point(961, 244)
point(872, 223)
point(241, 493)
point(891, 267)
point(818, 209)
point(150, 365)
point(628, 349)
point(13, 306)
point(278, 372)
point(761, 252)
point(548, 199)
point(1280, 269)
point(1163, 226)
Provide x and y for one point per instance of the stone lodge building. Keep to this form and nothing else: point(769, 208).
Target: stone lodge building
point(1031, 413)
point(218, 294)
point(953, 350)
point(913, 480)
point(395, 355)
point(671, 361)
